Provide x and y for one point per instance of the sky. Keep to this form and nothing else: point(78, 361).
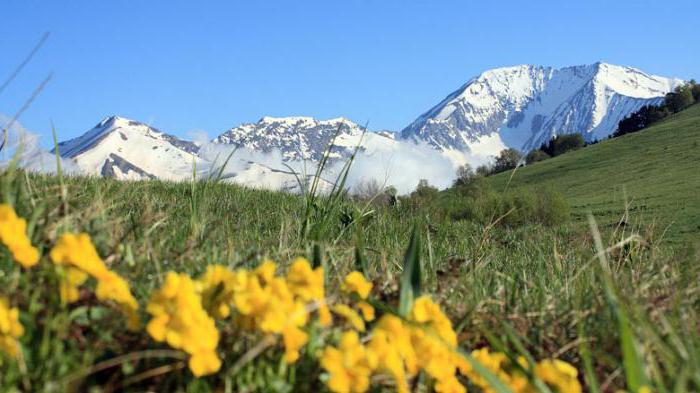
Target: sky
point(192, 66)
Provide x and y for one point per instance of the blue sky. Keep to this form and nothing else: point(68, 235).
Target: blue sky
point(203, 65)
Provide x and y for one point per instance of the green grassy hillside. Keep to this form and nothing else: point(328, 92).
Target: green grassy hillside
point(657, 170)
point(526, 286)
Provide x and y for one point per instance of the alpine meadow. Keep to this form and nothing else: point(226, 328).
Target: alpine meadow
point(535, 230)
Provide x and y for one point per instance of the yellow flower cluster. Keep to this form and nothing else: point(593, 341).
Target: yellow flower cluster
point(278, 305)
point(10, 328)
point(184, 313)
point(558, 374)
point(184, 309)
point(180, 320)
point(78, 255)
point(13, 234)
point(350, 365)
point(426, 342)
point(355, 283)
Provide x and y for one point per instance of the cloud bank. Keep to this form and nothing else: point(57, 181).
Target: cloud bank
point(23, 146)
point(401, 164)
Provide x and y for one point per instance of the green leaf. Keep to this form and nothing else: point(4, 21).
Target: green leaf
point(631, 359)
point(361, 261)
point(585, 352)
point(317, 260)
point(412, 275)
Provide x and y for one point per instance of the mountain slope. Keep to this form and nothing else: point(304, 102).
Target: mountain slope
point(129, 150)
point(656, 169)
point(526, 105)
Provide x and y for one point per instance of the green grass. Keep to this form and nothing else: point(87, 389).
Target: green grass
point(656, 171)
point(625, 315)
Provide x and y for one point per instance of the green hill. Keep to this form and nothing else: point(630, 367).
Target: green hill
point(657, 170)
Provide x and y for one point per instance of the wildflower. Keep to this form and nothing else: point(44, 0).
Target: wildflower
point(294, 339)
point(308, 285)
point(10, 328)
point(180, 320)
point(367, 311)
point(499, 365)
point(355, 282)
point(436, 358)
point(349, 366)
point(78, 251)
point(426, 312)
point(115, 288)
point(266, 271)
point(350, 315)
point(267, 302)
point(558, 374)
point(79, 257)
point(492, 361)
point(217, 293)
point(69, 284)
point(391, 344)
point(13, 234)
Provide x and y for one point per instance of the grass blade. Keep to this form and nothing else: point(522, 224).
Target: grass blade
point(412, 275)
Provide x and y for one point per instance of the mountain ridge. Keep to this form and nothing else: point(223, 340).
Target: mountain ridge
point(526, 105)
point(518, 106)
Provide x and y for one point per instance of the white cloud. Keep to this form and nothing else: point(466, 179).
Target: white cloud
point(23, 145)
point(389, 162)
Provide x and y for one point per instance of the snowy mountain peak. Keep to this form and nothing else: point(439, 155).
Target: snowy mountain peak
point(523, 106)
point(127, 149)
point(297, 137)
point(304, 121)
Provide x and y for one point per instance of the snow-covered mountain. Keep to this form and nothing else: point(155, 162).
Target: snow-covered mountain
point(298, 138)
point(130, 150)
point(519, 107)
point(127, 149)
point(524, 106)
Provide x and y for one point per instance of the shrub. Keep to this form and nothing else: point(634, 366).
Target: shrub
point(484, 170)
point(465, 174)
point(681, 98)
point(563, 143)
point(535, 156)
point(508, 159)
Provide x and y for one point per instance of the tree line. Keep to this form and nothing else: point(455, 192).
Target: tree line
point(682, 97)
point(674, 102)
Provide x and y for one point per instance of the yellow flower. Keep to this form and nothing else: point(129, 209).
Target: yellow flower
point(426, 312)
point(294, 339)
point(10, 328)
point(349, 366)
point(308, 285)
point(70, 283)
point(492, 361)
point(266, 271)
point(450, 385)
point(355, 282)
point(499, 365)
point(217, 291)
point(558, 374)
point(115, 288)
point(391, 344)
point(78, 256)
point(78, 251)
point(350, 315)
point(272, 305)
point(367, 311)
point(13, 234)
point(180, 320)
